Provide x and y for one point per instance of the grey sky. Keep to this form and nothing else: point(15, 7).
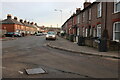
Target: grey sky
point(41, 12)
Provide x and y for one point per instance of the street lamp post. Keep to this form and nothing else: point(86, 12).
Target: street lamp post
point(61, 14)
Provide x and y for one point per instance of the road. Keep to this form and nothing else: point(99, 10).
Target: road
point(31, 52)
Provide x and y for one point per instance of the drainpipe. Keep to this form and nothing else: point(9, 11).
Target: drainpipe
point(105, 32)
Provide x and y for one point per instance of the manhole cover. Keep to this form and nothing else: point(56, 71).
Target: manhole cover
point(35, 71)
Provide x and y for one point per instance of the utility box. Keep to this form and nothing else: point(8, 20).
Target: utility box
point(81, 41)
point(102, 45)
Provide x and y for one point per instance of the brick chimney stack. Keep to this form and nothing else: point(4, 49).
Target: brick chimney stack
point(15, 18)
point(9, 16)
point(36, 24)
point(78, 10)
point(25, 21)
point(21, 20)
point(28, 22)
point(86, 4)
point(31, 23)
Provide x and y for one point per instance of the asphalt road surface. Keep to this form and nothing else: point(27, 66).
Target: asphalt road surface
point(30, 52)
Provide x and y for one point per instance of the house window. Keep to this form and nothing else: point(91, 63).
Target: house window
point(89, 14)
point(78, 31)
point(117, 6)
point(99, 10)
point(86, 32)
point(116, 31)
point(78, 19)
point(83, 16)
point(99, 30)
point(94, 32)
point(83, 32)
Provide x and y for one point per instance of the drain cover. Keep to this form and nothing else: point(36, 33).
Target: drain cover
point(35, 71)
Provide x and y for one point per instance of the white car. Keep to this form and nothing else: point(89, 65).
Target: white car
point(39, 34)
point(51, 35)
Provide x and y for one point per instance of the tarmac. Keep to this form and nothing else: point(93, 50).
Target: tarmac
point(66, 45)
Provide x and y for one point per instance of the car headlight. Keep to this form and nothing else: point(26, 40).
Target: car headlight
point(47, 36)
point(53, 36)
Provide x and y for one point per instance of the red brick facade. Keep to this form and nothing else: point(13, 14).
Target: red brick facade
point(95, 20)
point(13, 25)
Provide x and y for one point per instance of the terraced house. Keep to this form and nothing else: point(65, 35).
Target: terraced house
point(98, 20)
point(13, 25)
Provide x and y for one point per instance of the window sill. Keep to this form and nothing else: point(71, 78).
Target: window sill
point(116, 12)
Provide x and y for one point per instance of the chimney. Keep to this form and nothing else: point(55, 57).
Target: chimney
point(28, 22)
point(31, 23)
point(86, 4)
point(15, 18)
point(9, 16)
point(78, 10)
point(21, 20)
point(36, 24)
point(25, 21)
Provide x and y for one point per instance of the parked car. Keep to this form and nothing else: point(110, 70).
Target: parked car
point(45, 33)
point(13, 34)
point(51, 35)
point(39, 34)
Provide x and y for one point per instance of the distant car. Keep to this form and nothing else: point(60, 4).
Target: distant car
point(45, 33)
point(39, 34)
point(13, 34)
point(51, 35)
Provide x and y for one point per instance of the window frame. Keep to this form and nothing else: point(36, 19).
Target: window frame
point(90, 12)
point(99, 10)
point(115, 31)
point(117, 1)
point(99, 26)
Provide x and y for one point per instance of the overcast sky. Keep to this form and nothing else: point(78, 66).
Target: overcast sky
point(41, 12)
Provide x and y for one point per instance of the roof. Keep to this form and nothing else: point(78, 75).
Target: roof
point(10, 21)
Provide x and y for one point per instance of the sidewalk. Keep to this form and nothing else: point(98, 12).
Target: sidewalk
point(66, 45)
point(6, 38)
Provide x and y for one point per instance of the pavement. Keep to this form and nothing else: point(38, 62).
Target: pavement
point(7, 38)
point(63, 44)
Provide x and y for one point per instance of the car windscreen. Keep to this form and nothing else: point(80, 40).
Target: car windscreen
point(52, 33)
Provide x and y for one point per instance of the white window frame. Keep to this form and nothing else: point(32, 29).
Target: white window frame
point(78, 18)
point(91, 29)
point(83, 31)
point(78, 31)
point(83, 16)
point(115, 31)
point(94, 32)
point(99, 10)
point(115, 3)
point(89, 14)
point(86, 32)
point(99, 30)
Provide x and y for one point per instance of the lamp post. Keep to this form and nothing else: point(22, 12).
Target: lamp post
point(61, 14)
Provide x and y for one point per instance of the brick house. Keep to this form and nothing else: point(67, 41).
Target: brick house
point(13, 25)
point(98, 20)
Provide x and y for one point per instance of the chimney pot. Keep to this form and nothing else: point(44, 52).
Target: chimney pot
point(86, 4)
point(78, 10)
point(36, 24)
point(25, 21)
point(15, 18)
point(21, 20)
point(28, 22)
point(9, 16)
